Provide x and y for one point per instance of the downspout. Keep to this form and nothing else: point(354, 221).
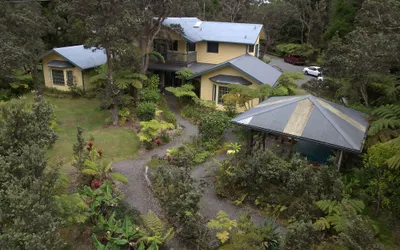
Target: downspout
point(340, 160)
point(83, 81)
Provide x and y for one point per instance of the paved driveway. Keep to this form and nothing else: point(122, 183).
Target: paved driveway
point(287, 67)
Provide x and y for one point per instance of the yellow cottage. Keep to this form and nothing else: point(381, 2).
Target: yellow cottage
point(67, 66)
point(219, 54)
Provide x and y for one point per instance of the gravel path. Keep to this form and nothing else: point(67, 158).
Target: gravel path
point(139, 195)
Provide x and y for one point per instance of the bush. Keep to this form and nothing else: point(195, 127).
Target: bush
point(214, 125)
point(169, 117)
point(76, 91)
point(178, 195)
point(146, 111)
point(300, 235)
point(304, 50)
point(150, 95)
point(269, 180)
point(192, 113)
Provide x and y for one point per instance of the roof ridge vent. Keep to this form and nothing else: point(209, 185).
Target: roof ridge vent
point(197, 24)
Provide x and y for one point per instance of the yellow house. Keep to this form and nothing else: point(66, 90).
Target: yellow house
point(219, 54)
point(67, 66)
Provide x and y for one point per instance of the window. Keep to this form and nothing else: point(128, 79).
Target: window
point(212, 47)
point(58, 77)
point(174, 45)
point(191, 46)
point(251, 48)
point(70, 78)
point(221, 92)
point(214, 91)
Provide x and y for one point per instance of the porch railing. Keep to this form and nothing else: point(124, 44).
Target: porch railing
point(178, 57)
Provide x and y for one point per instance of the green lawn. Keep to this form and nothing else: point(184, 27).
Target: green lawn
point(116, 143)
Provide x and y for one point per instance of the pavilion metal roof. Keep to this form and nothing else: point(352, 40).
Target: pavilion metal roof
point(309, 118)
point(196, 30)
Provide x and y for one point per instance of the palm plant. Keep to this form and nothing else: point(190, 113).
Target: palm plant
point(102, 172)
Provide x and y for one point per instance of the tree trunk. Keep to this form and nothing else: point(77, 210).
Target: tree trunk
point(364, 95)
point(114, 105)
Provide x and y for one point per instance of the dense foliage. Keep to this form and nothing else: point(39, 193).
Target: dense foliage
point(28, 211)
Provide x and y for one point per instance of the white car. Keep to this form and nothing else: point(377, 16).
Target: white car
point(313, 71)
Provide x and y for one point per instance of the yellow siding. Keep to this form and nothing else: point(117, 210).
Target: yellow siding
point(77, 73)
point(226, 51)
point(206, 84)
point(255, 45)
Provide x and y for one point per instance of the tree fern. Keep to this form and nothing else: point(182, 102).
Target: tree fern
point(386, 119)
point(327, 206)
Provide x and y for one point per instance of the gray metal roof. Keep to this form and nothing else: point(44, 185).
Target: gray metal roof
point(195, 67)
point(81, 57)
point(244, 33)
point(227, 79)
point(60, 64)
point(251, 66)
point(309, 118)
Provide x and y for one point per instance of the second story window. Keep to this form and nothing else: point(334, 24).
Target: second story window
point(191, 46)
point(251, 48)
point(212, 47)
point(174, 45)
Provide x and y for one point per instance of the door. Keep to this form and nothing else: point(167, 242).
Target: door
point(257, 50)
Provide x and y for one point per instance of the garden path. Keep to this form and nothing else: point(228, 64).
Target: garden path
point(139, 195)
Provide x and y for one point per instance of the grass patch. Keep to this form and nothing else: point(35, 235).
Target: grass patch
point(116, 143)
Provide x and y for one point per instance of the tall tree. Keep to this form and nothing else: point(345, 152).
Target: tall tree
point(21, 27)
point(28, 212)
point(108, 24)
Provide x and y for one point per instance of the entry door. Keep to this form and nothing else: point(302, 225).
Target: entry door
point(257, 50)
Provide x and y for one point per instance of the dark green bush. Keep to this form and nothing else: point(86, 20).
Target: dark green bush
point(214, 125)
point(150, 95)
point(192, 113)
point(146, 111)
point(267, 179)
point(178, 195)
point(304, 50)
point(169, 117)
point(301, 235)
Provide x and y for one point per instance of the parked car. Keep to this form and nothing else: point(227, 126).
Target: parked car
point(313, 71)
point(294, 59)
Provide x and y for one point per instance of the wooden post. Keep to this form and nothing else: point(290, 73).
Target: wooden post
point(250, 142)
point(163, 82)
point(264, 138)
point(340, 160)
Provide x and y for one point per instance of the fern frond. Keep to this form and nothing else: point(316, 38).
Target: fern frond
point(389, 111)
point(119, 177)
point(337, 221)
point(327, 206)
point(383, 124)
point(394, 162)
point(321, 224)
point(357, 205)
point(153, 223)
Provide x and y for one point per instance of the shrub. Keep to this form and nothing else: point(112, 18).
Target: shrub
point(214, 125)
point(146, 111)
point(300, 235)
point(304, 50)
point(124, 115)
point(272, 182)
point(169, 117)
point(178, 195)
point(76, 91)
point(150, 95)
point(191, 113)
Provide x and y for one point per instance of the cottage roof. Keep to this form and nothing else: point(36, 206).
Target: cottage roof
point(84, 58)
